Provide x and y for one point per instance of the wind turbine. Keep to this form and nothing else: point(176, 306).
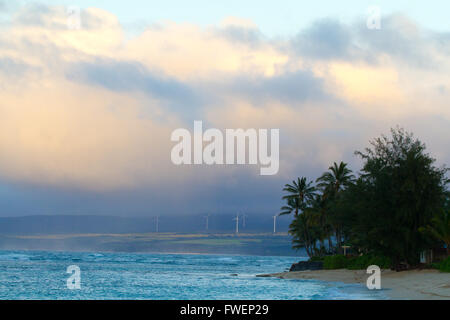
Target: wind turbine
point(237, 222)
point(207, 221)
point(157, 223)
point(243, 220)
point(275, 224)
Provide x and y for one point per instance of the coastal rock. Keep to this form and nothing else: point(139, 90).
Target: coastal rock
point(306, 265)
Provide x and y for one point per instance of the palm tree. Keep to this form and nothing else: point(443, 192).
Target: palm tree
point(337, 178)
point(300, 229)
point(301, 190)
point(292, 205)
point(319, 209)
point(332, 183)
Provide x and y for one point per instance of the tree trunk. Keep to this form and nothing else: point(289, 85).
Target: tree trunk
point(308, 240)
point(339, 240)
point(308, 250)
point(322, 244)
point(307, 243)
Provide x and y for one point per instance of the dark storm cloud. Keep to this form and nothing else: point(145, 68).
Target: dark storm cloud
point(399, 37)
point(132, 76)
point(325, 39)
point(291, 87)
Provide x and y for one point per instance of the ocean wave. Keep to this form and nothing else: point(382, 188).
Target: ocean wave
point(161, 276)
point(14, 256)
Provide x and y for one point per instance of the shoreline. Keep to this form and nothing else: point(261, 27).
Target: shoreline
point(424, 284)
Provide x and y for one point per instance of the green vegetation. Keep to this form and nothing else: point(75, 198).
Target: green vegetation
point(444, 266)
point(317, 258)
point(337, 261)
point(355, 262)
point(439, 228)
point(396, 207)
point(362, 262)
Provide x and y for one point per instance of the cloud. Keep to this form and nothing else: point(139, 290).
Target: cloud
point(72, 136)
point(92, 111)
point(290, 87)
point(240, 30)
point(400, 38)
point(186, 51)
point(325, 39)
point(130, 76)
point(41, 27)
point(13, 68)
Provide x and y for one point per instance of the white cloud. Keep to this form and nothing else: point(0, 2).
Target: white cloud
point(55, 130)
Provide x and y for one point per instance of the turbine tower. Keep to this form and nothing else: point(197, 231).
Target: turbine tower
point(237, 222)
point(207, 221)
point(275, 224)
point(243, 220)
point(157, 223)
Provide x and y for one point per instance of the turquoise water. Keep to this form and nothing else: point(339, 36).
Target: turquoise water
point(42, 275)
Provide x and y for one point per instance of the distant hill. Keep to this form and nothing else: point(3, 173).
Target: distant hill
point(73, 224)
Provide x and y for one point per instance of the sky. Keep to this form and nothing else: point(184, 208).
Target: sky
point(87, 111)
point(273, 18)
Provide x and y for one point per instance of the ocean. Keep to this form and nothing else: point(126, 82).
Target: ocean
point(43, 275)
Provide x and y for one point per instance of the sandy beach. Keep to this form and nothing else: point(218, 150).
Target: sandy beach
point(414, 284)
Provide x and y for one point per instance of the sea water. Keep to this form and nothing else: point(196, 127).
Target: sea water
point(43, 275)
